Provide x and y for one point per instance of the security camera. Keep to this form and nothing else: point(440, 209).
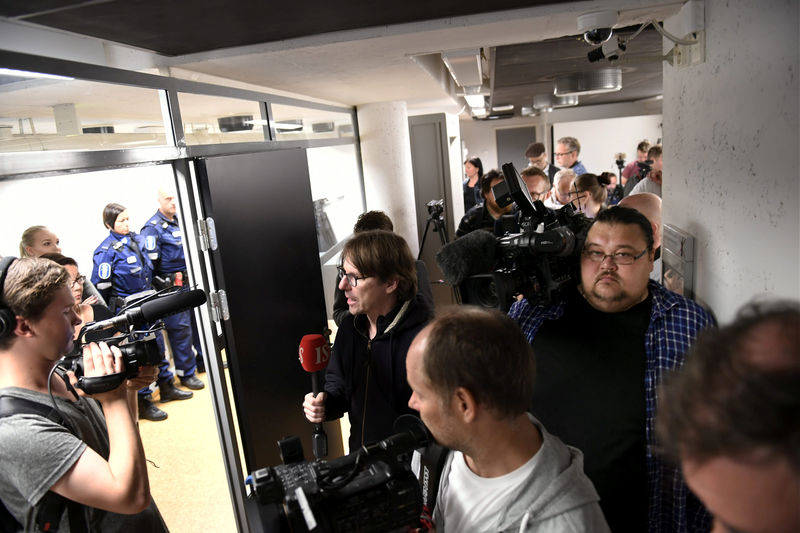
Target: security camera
point(612, 50)
point(597, 26)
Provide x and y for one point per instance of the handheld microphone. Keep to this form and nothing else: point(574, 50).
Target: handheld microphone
point(152, 310)
point(314, 354)
point(474, 253)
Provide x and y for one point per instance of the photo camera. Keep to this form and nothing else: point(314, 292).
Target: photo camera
point(138, 346)
point(371, 490)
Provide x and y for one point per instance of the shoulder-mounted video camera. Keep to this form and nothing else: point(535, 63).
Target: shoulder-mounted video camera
point(138, 346)
point(371, 490)
point(538, 256)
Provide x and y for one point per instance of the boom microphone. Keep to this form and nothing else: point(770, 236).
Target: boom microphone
point(474, 253)
point(314, 353)
point(153, 310)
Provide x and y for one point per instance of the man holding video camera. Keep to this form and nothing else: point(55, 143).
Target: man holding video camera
point(601, 351)
point(80, 464)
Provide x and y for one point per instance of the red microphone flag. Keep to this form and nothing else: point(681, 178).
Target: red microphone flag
point(314, 352)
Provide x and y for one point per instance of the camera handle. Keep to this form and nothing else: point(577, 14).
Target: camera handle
point(438, 227)
point(96, 384)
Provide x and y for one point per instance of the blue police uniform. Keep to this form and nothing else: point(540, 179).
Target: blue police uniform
point(120, 270)
point(163, 244)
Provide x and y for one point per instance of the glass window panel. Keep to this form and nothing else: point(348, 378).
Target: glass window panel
point(336, 191)
point(57, 113)
point(220, 120)
point(292, 123)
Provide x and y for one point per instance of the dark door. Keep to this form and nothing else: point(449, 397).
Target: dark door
point(268, 265)
point(511, 145)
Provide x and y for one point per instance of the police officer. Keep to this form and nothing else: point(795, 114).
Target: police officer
point(163, 242)
point(120, 270)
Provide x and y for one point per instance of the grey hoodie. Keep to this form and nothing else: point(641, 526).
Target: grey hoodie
point(557, 497)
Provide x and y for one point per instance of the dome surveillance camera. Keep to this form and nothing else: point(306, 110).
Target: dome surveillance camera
point(597, 26)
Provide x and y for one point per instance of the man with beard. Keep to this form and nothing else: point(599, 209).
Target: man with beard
point(601, 352)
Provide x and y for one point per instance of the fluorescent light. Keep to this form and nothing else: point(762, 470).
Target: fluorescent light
point(464, 66)
point(500, 108)
point(475, 100)
point(26, 74)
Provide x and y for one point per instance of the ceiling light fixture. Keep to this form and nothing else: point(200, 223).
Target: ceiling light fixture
point(604, 80)
point(464, 66)
point(502, 108)
point(548, 102)
point(27, 74)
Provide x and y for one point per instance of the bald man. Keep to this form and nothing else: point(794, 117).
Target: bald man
point(163, 240)
point(649, 205)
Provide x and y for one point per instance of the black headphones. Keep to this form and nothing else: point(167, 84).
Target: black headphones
point(8, 320)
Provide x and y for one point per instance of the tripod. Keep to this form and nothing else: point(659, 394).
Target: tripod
point(437, 220)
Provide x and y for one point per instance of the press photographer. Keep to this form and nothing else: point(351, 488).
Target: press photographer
point(67, 462)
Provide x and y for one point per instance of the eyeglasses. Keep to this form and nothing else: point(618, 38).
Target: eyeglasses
point(78, 282)
point(619, 258)
point(352, 279)
point(562, 154)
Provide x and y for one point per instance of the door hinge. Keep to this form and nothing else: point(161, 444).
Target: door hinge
point(207, 234)
point(218, 302)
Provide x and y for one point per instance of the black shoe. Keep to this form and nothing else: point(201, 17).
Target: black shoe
point(170, 392)
point(191, 382)
point(149, 411)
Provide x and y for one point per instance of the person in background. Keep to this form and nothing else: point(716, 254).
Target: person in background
point(536, 154)
point(558, 196)
point(484, 215)
point(120, 270)
point(649, 205)
point(537, 182)
point(473, 169)
point(87, 312)
point(588, 193)
point(163, 243)
point(568, 149)
point(632, 169)
point(38, 240)
point(652, 183)
point(731, 417)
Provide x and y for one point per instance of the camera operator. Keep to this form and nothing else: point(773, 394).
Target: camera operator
point(601, 351)
point(486, 214)
point(651, 183)
point(93, 458)
point(472, 371)
point(366, 377)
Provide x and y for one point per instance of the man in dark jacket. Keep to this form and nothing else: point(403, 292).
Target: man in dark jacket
point(366, 376)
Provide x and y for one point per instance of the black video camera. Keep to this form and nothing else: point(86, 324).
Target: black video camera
point(540, 260)
point(644, 168)
point(139, 347)
point(371, 490)
point(435, 208)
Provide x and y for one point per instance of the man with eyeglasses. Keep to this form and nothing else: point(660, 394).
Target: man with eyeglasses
point(536, 154)
point(366, 376)
point(568, 149)
point(537, 182)
point(601, 351)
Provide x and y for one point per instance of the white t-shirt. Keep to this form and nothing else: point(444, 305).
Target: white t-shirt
point(473, 503)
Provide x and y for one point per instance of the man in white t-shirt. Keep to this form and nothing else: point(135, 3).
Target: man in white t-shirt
point(471, 372)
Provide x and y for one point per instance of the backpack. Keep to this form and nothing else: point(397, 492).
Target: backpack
point(51, 506)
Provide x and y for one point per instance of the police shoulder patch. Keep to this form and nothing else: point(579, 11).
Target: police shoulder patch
point(150, 242)
point(104, 270)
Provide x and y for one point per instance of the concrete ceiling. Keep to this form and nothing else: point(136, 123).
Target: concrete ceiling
point(342, 56)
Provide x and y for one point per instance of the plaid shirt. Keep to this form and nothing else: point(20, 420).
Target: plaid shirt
point(674, 323)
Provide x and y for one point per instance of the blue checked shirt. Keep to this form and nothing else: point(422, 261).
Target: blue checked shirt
point(674, 323)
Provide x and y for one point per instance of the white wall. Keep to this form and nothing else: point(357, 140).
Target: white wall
point(601, 139)
point(602, 130)
point(72, 206)
point(731, 159)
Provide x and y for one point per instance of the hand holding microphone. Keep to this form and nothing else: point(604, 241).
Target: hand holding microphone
point(314, 353)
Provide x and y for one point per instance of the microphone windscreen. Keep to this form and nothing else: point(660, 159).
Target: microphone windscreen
point(314, 352)
point(474, 253)
point(171, 304)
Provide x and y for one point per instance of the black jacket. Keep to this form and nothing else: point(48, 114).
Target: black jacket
point(367, 378)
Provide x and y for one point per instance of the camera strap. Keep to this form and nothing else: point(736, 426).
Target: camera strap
point(432, 459)
point(52, 505)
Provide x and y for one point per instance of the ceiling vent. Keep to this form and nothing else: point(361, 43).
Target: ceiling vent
point(592, 82)
point(548, 102)
point(465, 66)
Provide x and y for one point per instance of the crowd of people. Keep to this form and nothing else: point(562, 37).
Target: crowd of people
point(618, 405)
